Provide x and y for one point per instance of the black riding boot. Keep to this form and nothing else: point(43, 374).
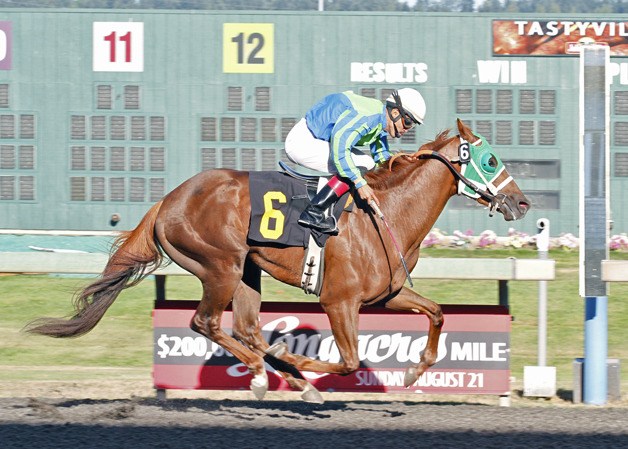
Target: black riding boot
point(314, 214)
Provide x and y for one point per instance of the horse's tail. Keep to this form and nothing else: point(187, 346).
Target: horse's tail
point(135, 255)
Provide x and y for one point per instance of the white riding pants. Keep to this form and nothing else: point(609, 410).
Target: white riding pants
point(304, 149)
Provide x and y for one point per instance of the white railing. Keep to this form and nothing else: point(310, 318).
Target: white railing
point(501, 270)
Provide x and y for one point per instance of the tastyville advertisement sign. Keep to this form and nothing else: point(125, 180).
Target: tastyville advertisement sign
point(557, 37)
point(473, 352)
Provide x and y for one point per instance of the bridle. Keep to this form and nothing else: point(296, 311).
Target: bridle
point(486, 189)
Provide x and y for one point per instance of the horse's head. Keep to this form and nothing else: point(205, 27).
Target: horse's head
point(478, 172)
point(485, 179)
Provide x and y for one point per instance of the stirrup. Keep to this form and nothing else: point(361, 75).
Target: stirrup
point(321, 226)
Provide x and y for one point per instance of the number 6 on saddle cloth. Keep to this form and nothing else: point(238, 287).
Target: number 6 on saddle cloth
point(277, 200)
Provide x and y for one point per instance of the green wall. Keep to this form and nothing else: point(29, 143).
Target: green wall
point(78, 144)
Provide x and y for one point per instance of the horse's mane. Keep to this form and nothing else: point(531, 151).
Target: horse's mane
point(401, 163)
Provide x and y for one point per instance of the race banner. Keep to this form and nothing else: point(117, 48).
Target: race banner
point(557, 37)
point(473, 352)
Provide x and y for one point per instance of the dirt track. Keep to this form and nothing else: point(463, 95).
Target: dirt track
point(233, 420)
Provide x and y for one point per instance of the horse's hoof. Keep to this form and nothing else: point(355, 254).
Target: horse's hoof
point(278, 349)
point(312, 395)
point(411, 376)
point(259, 385)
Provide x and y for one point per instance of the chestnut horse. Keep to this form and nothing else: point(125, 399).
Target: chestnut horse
point(203, 224)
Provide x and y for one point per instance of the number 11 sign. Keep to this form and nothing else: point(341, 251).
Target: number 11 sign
point(118, 47)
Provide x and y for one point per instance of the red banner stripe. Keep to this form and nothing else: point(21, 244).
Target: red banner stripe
point(366, 381)
point(457, 318)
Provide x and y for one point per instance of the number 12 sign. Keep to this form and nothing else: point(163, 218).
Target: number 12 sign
point(248, 48)
point(118, 47)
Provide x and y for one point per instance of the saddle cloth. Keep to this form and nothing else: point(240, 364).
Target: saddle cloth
point(277, 200)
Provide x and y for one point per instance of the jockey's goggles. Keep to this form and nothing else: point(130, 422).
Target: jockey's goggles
point(408, 121)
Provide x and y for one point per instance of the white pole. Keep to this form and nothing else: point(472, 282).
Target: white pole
point(594, 217)
point(542, 244)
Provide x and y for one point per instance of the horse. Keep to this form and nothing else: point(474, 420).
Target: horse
point(202, 226)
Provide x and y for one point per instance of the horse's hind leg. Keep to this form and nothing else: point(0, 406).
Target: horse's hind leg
point(343, 318)
point(218, 291)
point(409, 301)
point(246, 328)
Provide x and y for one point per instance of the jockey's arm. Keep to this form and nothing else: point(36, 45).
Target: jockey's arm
point(381, 151)
point(367, 194)
point(343, 139)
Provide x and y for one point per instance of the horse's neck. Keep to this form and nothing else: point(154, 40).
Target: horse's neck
point(417, 202)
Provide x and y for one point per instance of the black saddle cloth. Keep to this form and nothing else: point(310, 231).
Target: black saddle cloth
point(277, 200)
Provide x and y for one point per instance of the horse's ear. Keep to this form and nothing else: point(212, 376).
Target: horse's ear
point(464, 131)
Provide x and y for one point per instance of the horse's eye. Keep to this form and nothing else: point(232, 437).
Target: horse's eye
point(489, 163)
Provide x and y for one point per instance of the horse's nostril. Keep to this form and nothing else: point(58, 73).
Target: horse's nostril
point(524, 205)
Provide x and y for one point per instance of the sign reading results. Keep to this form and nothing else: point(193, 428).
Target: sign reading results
point(248, 48)
point(118, 47)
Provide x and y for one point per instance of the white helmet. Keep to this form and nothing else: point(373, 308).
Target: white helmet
point(409, 102)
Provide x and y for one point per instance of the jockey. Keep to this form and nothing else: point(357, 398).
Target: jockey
point(326, 138)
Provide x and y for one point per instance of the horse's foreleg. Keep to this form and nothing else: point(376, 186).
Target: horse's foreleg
point(409, 301)
point(246, 328)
